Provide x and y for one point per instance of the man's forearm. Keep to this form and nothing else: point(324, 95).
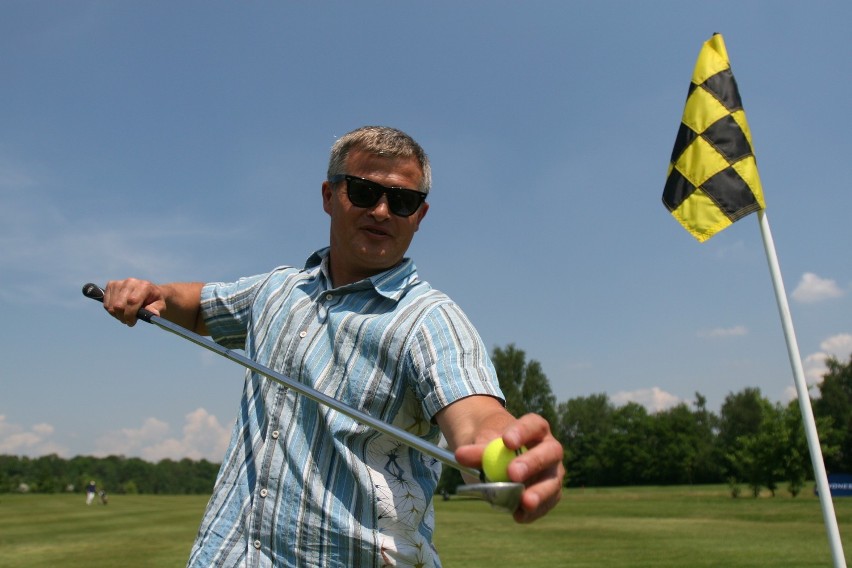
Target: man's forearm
point(183, 305)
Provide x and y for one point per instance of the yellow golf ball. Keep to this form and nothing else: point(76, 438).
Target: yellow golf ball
point(496, 459)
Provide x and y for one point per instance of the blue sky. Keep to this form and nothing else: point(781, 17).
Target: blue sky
point(188, 141)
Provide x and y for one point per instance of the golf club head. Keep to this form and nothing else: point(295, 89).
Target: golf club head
point(505, 496)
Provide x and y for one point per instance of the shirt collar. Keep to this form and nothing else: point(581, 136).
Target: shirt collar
point(391, 283)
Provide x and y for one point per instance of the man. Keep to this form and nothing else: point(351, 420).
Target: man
point(91, 489)
point(302, 485)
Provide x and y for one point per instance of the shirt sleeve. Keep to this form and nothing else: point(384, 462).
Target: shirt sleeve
point(450, 360)
point(227, 309)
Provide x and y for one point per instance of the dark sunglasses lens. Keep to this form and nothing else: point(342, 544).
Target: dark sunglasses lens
point(403, 203)
point(362, 193)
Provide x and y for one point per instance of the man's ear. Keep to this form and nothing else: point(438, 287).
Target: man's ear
point(327, 196)
point(421, 213)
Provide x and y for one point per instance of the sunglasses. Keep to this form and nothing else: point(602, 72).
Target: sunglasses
point(365, 193)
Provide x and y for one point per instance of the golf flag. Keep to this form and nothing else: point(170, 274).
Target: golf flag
point(712, 179)
point(712, 182)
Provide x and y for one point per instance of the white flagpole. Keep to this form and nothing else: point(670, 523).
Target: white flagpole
point(804, 398)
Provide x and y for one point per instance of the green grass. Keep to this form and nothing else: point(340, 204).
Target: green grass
point(648, 526)
point(132, 531)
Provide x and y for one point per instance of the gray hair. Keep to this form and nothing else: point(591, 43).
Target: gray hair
point(381, 140)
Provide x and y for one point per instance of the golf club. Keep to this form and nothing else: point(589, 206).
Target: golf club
point(504, 496)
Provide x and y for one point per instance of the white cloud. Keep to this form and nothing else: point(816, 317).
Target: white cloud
point(812, 289)
point(202, 436)
point(790, 394)
point(36, 441)
point(724, 331)
point(128, 441)
point(43, 429)
point(838, 346)
point(653, 399)
point(814, 366)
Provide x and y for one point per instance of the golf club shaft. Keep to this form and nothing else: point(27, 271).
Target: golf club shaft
point(95, 292)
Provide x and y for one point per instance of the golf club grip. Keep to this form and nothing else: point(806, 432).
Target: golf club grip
point(95, 292)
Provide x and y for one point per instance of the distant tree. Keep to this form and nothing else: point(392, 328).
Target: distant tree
point(524, 384)
point(741, 415)
point(5, 481)
point(835, 403)
point(167, 477)
point(583, 425)
point(47, 475)
point(797, 464)
point(141, 473)
point(628, 451)
point(759, 457)
point(15, 471)
point(108, 472)
point(81, 470)
point(684, 445)
point(798, 467)
point(537, 394)
point(707, 468)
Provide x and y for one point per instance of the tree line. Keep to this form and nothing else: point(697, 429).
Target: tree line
point(751, 443)
point(113, 474)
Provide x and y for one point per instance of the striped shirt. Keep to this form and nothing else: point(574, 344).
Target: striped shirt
point(301, 484)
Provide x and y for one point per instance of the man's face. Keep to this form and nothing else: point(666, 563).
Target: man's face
point(369, 240)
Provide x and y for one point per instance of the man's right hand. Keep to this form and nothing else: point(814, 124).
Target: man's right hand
point(179, 303)
point(124, 298)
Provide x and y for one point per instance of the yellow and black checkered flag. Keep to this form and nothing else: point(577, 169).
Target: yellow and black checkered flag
point(712, 179)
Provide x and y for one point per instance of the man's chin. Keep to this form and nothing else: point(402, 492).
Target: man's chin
point(379, 261)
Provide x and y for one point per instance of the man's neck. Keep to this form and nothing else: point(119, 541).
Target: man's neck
point(340, 277)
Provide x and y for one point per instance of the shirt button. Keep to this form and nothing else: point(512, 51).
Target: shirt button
point(275, 435)
point(264, 492)
point(303, 334)
point(257, 544)
point(329, 297)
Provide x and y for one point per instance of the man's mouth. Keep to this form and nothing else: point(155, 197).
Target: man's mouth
point(376, 231)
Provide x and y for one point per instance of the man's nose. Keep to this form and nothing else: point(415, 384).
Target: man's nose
point(381, 210)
